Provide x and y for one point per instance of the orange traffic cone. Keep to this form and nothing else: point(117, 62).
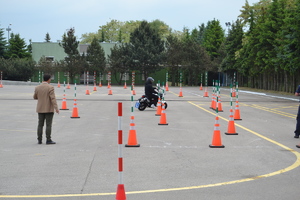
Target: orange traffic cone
point(201, 88)
point(163, 118)
point(233, 92)
point(231, 126)
point(133, 92)
point(120, 192)
point(158, 109)
point(58, 84)
point(125, 86)
point(75, 110)
point(108, 86)
point(68, 86)
point(180, 92)
point(87, 92)
point(216, 142)
point(167, 87)
point(213, 102)
point(220, 108)
point(205, 93)
point(132, 141)
point(237, 111)
point(64, 104)
point(109, 92)
point(1, 86)
point(95, 88)
point(100, 84)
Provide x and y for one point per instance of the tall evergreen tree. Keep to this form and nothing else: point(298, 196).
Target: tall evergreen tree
point(173, 55)
point(119, 60)
point(96, 56)
point(147, 49)
point(73, 60)
point(233, 44)
point(17, 47)
point(213, 38)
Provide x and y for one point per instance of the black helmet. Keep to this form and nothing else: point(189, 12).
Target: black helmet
point(150, 79)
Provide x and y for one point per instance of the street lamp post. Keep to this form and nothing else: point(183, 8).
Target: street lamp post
point(8, 29)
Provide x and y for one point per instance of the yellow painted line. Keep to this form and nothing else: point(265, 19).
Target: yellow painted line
point(289, 168)
point(271, 110)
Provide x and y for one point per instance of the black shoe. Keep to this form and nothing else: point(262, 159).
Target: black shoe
point(296, 136)
point(298, 146)
point(50, 142)
point(40, 142)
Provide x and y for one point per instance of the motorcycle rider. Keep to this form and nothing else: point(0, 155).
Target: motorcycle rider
point(150, 92)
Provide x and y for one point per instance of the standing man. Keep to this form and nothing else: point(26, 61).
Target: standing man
point(46, 105)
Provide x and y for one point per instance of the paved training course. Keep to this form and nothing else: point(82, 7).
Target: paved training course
point(173, 161)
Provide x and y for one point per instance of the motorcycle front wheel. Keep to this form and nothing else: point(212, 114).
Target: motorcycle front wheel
point(166, 105)
point(142, 106)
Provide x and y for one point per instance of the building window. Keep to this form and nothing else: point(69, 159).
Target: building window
point(50, 58)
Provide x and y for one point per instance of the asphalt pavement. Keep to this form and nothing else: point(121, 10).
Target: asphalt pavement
point(173, 162)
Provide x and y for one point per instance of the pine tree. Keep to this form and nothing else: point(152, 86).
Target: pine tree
point(213, 38)
point(233, 44)
point(147, 49)
point(47, 37)
point(96, 56)
point(73, 60)
point(17, 47)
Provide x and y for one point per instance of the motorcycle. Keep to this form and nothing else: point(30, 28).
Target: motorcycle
point(144, 102)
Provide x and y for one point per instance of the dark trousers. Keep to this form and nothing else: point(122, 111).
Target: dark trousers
point(297, 131)
point(154, 99)
point(42, 117)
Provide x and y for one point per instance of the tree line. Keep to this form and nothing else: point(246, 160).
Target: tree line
point(261, 47)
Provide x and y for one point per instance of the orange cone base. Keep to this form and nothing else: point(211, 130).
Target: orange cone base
point(163, 124)
point(218, 110)
point(87, 92)
point(121, 192)
point(180, 94)
point(205, 94)
point(216, 143)
point(75, 113)
point(231, 133)
point(75, 117)
point(212, 146)
point(128, 145)
point(1, 86)
point(158, 111)
point(132, 140)
point(64, 106)
point(109, 92)
point(95, 89)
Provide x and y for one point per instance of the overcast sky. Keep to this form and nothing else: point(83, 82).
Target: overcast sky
point(32, 19)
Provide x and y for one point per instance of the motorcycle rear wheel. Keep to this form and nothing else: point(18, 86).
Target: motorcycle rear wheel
point(142, 106)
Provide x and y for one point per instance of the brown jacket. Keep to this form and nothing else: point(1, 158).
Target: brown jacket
point(45, 95)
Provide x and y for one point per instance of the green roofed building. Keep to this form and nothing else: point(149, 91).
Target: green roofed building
point(53, 51)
